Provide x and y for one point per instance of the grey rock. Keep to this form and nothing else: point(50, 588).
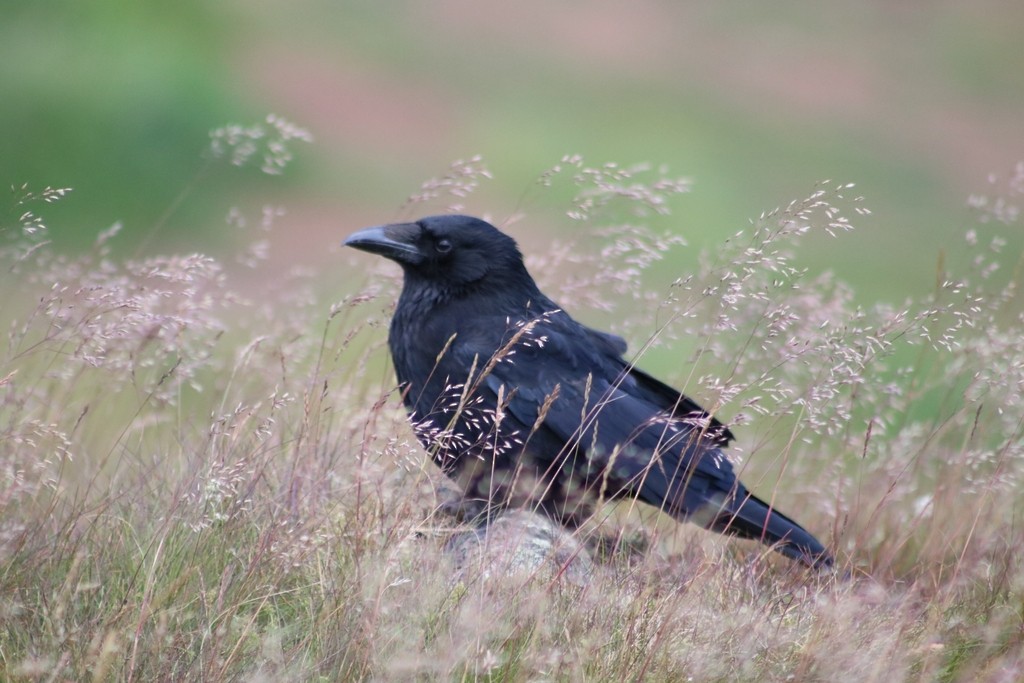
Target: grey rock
point(517, 543)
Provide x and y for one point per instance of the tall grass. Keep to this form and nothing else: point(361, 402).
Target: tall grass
point(205, 484)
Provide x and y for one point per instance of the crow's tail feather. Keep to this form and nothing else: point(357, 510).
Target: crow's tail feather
point(747, 516)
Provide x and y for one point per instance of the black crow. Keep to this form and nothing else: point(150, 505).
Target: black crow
point(524, 406)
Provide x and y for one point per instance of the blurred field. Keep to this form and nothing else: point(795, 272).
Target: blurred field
point(917, 105)
point(205, 473)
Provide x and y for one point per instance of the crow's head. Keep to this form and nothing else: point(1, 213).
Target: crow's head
point(449, 250)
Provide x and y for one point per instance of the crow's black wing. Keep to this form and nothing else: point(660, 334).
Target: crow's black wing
point(561, 385)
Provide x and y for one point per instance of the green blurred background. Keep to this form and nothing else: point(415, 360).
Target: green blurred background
point(916, 102)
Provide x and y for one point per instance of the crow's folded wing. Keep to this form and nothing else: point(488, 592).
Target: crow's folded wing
point(561, 387)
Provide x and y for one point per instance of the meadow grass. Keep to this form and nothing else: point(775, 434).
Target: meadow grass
point(200, 483)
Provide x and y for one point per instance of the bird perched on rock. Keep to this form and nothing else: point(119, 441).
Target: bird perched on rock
point(525, 407)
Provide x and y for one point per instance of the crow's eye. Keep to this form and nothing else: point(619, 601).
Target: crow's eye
point(443, 246)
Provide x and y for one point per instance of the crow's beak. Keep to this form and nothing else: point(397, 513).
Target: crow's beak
point(396, 242)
